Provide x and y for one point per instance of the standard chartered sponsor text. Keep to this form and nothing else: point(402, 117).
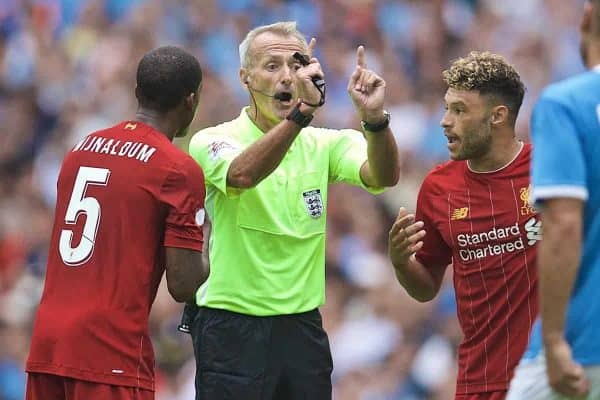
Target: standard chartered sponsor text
point(467, 240)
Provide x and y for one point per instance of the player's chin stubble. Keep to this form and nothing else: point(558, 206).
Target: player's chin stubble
point(474, 144)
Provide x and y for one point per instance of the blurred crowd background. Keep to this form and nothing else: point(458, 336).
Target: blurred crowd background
point(67, 68)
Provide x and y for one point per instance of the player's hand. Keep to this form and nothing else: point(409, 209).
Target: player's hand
point(367, 90)
point(564, 374)
point(405, 238)
point(307, 91)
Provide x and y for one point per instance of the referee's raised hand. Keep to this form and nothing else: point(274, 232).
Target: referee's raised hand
point(367, 90)
point(304, 76)
point(405, 238)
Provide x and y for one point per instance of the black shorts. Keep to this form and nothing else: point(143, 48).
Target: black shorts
point(242, 357)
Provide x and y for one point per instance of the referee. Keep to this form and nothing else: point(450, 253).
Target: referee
point(258, 334)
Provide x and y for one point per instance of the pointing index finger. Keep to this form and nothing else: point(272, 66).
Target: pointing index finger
point(360, 57)
point(311, 46)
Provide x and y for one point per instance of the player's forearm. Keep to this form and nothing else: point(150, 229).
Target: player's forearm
point(185, 273)
point(418, 281)
point(261, 158)
point(558, 264)
point(383, 160)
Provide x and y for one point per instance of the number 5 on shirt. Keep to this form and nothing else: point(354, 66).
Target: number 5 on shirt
point(79, 203)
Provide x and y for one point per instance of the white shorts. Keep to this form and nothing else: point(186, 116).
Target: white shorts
point(530, 382)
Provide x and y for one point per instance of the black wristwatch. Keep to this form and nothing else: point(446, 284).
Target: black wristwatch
point(298, 118)
point(377, 127)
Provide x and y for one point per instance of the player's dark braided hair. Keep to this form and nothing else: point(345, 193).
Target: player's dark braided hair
point(165, 76)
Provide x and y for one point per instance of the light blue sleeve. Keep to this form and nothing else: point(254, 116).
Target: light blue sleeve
point(558, 166)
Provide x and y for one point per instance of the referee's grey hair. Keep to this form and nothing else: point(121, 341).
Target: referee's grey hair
point(287, 28)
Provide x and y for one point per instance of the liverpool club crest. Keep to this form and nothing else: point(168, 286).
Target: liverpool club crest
point(313, 202)
point(527, 208)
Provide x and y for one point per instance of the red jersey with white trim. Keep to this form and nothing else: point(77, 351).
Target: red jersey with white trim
point(124, 194)
point(484, 225)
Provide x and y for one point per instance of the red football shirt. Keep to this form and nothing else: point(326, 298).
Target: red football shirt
point(124, 194)
point(483, 224)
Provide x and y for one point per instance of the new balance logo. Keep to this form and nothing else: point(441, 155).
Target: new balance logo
point(460, 213)
point(534, 230)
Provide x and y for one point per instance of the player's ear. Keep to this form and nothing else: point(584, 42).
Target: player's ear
point(137, 92)
point(500, 115)
point(588, 19)
point(191, 100)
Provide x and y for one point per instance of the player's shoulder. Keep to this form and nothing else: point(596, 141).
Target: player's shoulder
point(183, 163)
point(174, 159)
point(183, 172)
point(568, 90)
point(109, 131)
point(445, 170)
point(527, 150)
point(443, 176)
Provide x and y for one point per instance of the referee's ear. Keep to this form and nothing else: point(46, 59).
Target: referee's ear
point(244, 76)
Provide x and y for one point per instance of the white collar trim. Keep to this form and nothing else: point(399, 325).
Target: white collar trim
point(502, 167)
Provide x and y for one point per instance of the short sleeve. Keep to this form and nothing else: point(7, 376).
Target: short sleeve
point(347, 154)
point(558, 166)
point(183, 194)
point(435, 251)
point(214, 153)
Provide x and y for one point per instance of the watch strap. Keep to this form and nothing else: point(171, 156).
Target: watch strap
point(298, 118)
point(378, 126)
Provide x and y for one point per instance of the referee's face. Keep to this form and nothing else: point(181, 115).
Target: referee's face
point(273, 73)
point(467, 124)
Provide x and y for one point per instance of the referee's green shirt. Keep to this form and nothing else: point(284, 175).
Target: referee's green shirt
point(267, 246)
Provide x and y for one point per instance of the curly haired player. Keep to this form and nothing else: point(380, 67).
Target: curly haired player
point(473, 213)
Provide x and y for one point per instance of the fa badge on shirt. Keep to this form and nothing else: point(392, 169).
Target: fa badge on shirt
point(313, 202)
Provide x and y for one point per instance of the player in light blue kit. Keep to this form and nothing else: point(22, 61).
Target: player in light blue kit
point(563, 358)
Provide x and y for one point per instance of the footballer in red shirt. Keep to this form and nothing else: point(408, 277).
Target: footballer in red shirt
point(474, 213)
point(130, 204)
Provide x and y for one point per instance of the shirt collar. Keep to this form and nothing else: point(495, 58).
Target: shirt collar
point(597, 68)
point(504, 166)
point(252, 129)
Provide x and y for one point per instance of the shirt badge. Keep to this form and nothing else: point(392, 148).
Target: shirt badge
point(524, 194)
point(199, 217)
point(219, 148)
point(313, 202)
